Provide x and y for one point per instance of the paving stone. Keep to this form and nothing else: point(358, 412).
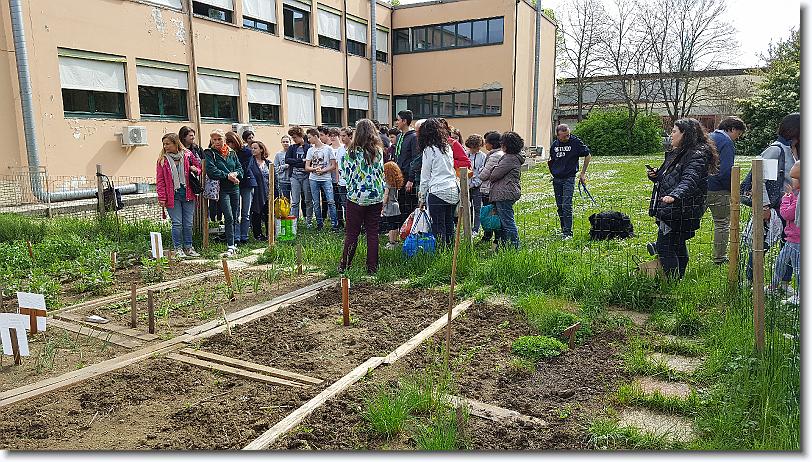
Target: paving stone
point(638, 318)
point(674, 338)
point(650, 385)
point(673, 428)
point(677, 363)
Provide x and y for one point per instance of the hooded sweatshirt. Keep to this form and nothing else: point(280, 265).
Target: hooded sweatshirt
point(505, 178)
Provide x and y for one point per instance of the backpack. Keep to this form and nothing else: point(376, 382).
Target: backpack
point(610, 225)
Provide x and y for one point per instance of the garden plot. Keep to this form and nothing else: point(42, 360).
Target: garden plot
point(555, 402)
point(162, 403)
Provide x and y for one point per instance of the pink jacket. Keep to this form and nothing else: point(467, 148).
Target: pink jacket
point(791, 231)
point(163, 179)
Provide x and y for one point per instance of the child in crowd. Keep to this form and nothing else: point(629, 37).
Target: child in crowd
point(390, 214)
point(790, 254)
point(473, 146)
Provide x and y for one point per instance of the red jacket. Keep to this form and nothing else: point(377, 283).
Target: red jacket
point(460, 158)
point(163, 179)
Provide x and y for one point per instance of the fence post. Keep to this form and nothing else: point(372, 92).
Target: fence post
point(465, 206)
point(100, 193)
point(735, 228)
point(758, 252)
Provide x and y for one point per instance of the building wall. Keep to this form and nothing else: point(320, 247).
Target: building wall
point(14, 156)
point(544, 135)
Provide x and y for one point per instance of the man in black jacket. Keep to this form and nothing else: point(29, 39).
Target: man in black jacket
point(563, 163)
point(299, 178)
point(406, 153)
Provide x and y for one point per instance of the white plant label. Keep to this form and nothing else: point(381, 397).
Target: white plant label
point(157, 245)
point(18, 322)
point(770, 169)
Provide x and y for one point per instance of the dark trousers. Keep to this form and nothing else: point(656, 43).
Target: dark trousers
point(487, 234)
point(230, 205)
point(370, 217)
point(442, 219)
point(340, 193)
point(476, 206)
point(673, 252)
point(257, 219)
point(563, 189)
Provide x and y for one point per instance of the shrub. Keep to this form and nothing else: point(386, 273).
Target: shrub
point(606, 133)
point(537, 347)
point(20, 228)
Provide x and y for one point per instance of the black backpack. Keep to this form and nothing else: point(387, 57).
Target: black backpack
point(610, 225)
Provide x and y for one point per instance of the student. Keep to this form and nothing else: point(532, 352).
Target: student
point(390, 215)
point(299, 177)
point(493, 142)
point(259, 205)
point(406, 150)
point(382, 132)
point(563, 164)
point(187, 138)
point(247, 184)
point(506, 186)
point(362, 168)
point(438, 182)
point(390, 155)
point(282, 169)
point(460, 159)
point(728, 131)
point(224, 165)
point(324, 136)
point(345, 135)
point(790, 254)
point(320, 162)
point(172, 185)
point(474, 145)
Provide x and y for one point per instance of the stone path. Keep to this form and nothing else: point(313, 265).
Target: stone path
point(638, 318)
point(673, 428)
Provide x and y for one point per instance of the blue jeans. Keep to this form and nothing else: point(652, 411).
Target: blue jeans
point(563, 189)
point(788, 262)
point(476, 205)
point(300, 185)
point(243, 223)
point(181, 215)
point(327, 187)
point(229, 203)
point(509, 231)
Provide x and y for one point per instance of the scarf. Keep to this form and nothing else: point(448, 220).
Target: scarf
point(176, 162)
point(224, 149)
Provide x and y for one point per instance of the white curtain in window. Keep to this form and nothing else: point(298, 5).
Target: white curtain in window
point(162, 78)
point(329, 25)
point(401, 104)
point(359, 102)
point(384, 111)
point(224, 4)
point(332, 99)
point(89, 74)
point(263, 93)
point(264, 10)
point(301, 106)
point(169, 3)
point(295, 4)
point(383, 40)
point(213, 85)
point(356, 31)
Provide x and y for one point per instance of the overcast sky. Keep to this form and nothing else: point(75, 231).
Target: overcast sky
point(757, 21)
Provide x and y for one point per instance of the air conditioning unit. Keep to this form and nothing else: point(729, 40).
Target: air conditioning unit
point(239, 128)
point(217, 14)
point(134, 136)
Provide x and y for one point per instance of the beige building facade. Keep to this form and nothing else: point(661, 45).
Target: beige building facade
point(110, 77)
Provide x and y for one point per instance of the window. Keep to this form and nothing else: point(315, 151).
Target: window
point(301, 105)
point(218, 95)
point(329, 28)
point(359, 106)
point(356, 48)
point(263, 101)
point(355, 115)
point(450, 35)
point(169, 3)
point(402, 42)
point(480, 32)
point(493, 101)
point(221, 10)
point(93, 87)
point(496, 30)
point(297, 21)
point(331, 116)
point(162, 92)
point(332, 107)
point(384, 111)
point(382, 52)
point(421, 39)
point(356, 38)
point(219, 107)
point(464, 35)
point(477, 99)
point(457, 104)
point(259, 15)
point(461, 104)
point(436, 37)
point(446, 101)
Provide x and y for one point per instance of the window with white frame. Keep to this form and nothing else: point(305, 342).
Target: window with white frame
point(259, 15)
point(329, 28)
point(356, 38)
point(219, 92)
point(359, 107)
point(296, 20)
point(264, 101)
point(382, 44)
point(332, 107)
point(220, 10)
point(384, 111)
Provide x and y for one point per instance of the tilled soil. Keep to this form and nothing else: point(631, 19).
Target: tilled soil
point(564, 391)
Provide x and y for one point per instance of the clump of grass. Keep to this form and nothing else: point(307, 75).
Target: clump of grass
point(677, 346)
point(548, 317)
point(607, 434)
point(521, 366)
point(386, 413)
point(445, 431)
point(536, 347)
point(633, 396)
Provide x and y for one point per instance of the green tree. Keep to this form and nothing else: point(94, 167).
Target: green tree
point(777, 95)
point(606, 133)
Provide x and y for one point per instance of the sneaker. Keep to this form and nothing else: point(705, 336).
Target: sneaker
point(390, 246)
point(789, 290)
point(566, 237)
point(652, 248)
point(793, 300)
point(179, 253)
point(230, 252)
point(190, 252)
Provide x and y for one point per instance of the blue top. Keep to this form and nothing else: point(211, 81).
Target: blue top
point(727, 153)
point(245, 156)
point(563, 161)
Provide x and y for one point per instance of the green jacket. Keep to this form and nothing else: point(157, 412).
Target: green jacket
point(218, 168)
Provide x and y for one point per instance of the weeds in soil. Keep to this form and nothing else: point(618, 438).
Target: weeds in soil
point(630, 395)
point(677, 346)
point(537, 347)
point(549, 318)
point(522, 366)
point(607, 434)
point(153, 269)
point(444, 432)
point(386, 412)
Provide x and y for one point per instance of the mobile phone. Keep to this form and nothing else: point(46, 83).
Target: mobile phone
point(649, 168)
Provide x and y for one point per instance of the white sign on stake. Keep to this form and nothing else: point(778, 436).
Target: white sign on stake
point(157, 245)
point(32, 301)
point(18, 322)
point(770, 169)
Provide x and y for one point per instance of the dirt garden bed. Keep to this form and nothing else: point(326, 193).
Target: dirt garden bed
point(164, 404)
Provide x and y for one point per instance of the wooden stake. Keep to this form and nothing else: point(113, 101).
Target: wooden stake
point(30, 250)
point(227, 274)
point(33, 313)
point(113, 261)
point(133, 305)
point(451, 292)
point(735, 228)
point(299, 258)
point(205, 208)
point(569, 332)
point(465, 206)
point(151, 311)
point(758, 252)
point(271, 217)
point(345, 300)
point(15, 347)
point(100, 188)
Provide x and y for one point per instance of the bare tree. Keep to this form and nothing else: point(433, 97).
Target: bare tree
point(686, 36)
point(582, 25)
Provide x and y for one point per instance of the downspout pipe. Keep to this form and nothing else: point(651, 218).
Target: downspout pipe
point(373, 18)
point(26, 98)
point(537, 73)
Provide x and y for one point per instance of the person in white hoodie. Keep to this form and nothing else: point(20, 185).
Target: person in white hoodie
point(438, 181)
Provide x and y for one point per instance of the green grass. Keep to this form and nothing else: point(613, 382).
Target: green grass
point(386, 413)
point(629, 395)
point(606, 434)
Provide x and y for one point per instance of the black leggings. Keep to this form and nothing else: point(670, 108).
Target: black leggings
point(673, 252)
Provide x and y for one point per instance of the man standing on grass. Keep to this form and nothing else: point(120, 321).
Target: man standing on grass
point(729, 130)
point(405, 153)
point(563, 164)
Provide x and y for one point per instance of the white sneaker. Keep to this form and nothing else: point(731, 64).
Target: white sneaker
point(566, 237)
point(179, 253)
point(190, 252)
point(793, 300)
point(230, 252)
point(789, 290)
point(390, 246)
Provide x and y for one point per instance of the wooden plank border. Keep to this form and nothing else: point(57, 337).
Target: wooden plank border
point(107, 336)
point(415, 341)
point(246, 374)
point(492, 412)
point(249, 366)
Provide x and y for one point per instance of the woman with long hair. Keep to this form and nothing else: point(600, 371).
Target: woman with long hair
point(242, 214)
point(679, 193)
point(438, 181)
point(282, 169)
point(259, 205)
point(224, 165)
point(175, 162)
point(362, 168)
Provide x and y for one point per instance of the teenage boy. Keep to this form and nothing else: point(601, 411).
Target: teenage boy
point(320, 163)
point(406, 151)
point(729, 130)
point(299, 177)
point(338, 153)
point(563, 164)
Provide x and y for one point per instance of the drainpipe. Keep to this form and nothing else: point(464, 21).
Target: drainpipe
point(373, 15)
point(346, 112)
point(26, 97)
point(536, 72)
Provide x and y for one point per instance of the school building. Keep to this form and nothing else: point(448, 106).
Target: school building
point(87, 82)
